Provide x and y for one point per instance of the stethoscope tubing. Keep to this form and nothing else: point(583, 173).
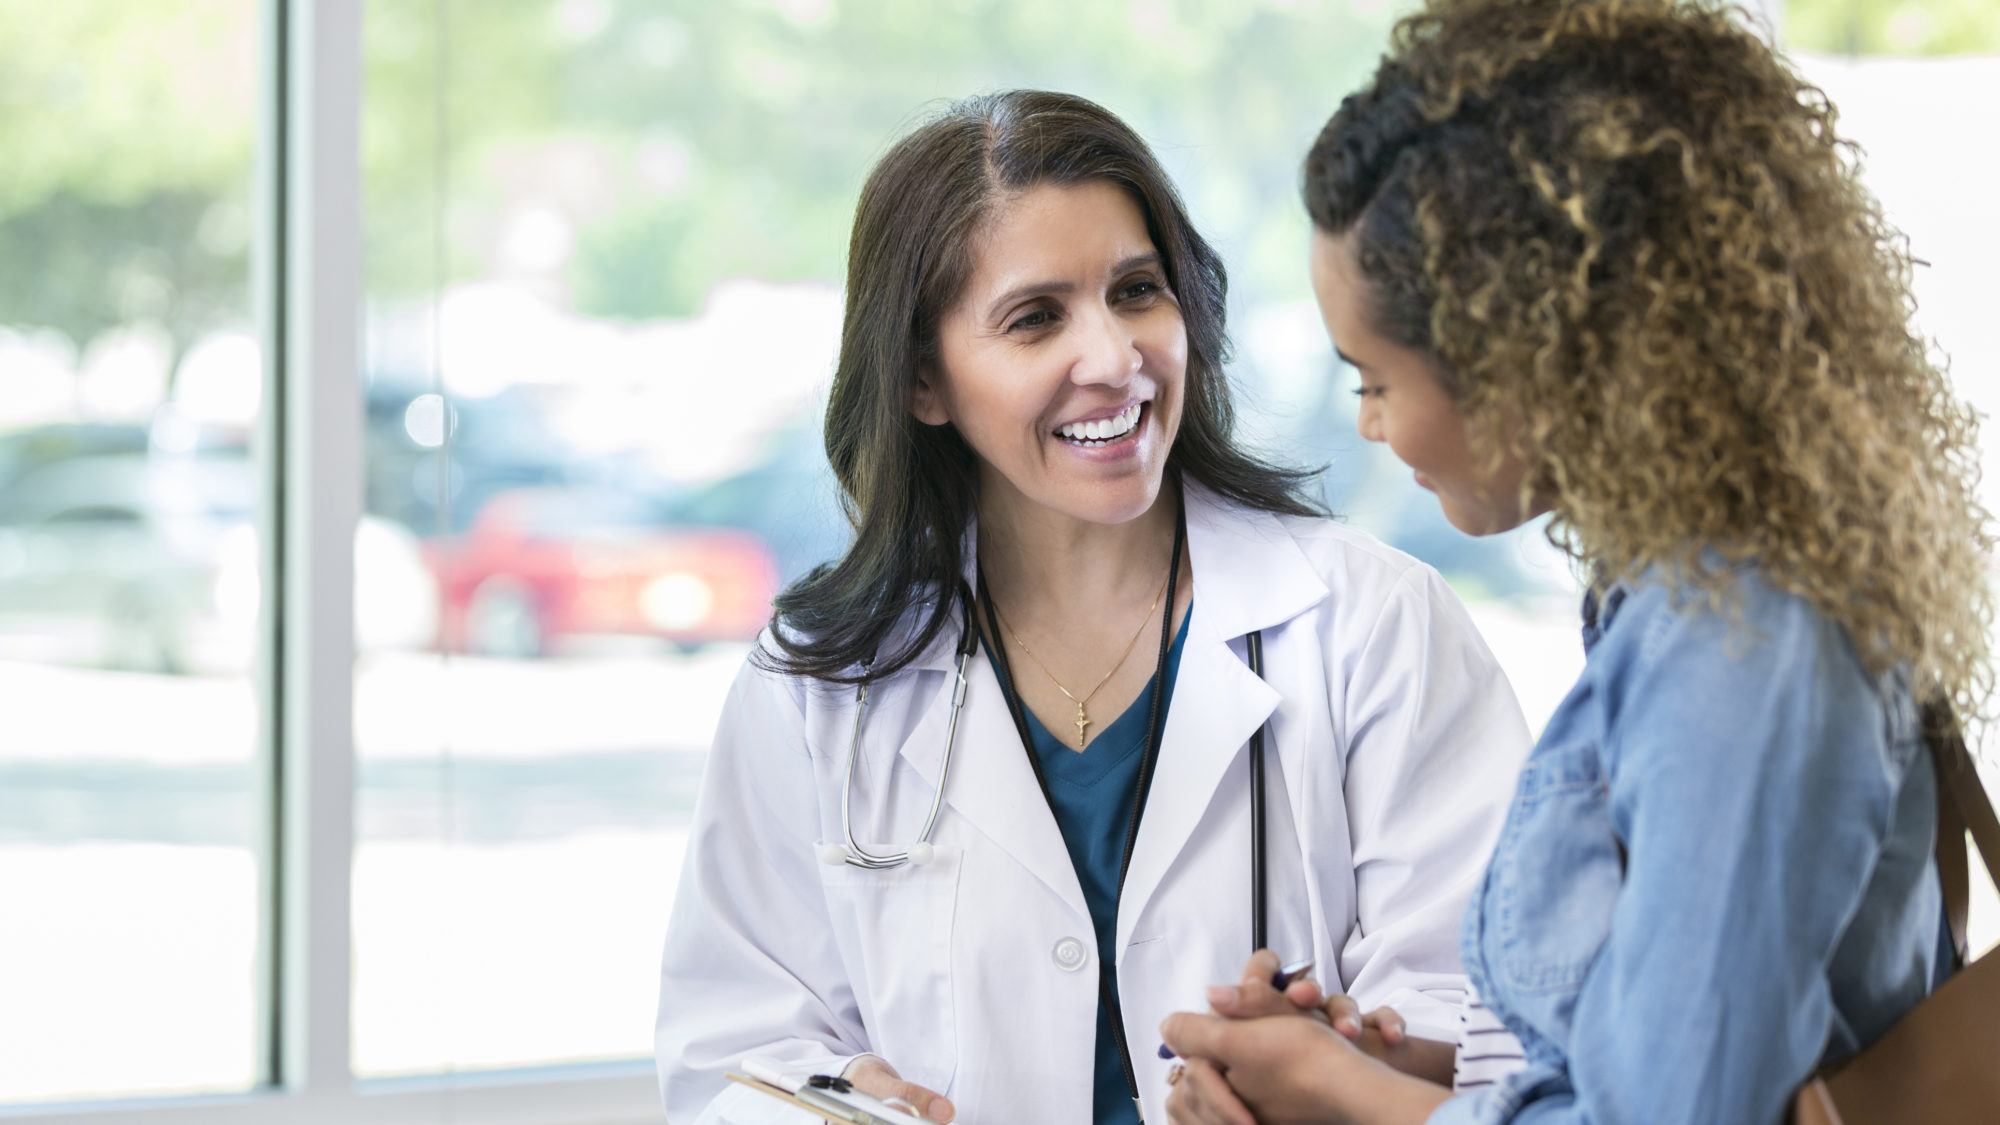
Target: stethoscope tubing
point(1259, 907)
point(857, 856)
point(918, 853)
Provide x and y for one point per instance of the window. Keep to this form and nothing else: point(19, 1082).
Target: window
point(130, 818)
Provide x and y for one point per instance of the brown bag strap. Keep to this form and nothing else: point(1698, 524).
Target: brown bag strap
point(1962, 806)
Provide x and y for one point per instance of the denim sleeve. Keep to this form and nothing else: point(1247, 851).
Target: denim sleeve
point(1502, 1101)
point(1751, 788)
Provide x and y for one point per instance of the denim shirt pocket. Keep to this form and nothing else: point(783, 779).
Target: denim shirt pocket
point(1558, 874)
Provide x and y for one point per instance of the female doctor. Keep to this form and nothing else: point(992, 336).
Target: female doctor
point(978, 813)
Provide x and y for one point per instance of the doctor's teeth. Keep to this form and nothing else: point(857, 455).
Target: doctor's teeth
point(1102, 429)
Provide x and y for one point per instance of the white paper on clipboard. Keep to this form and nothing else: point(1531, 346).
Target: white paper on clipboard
point(851, 1108)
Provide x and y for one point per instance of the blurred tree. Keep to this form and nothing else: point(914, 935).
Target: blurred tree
point(657, 147)
point(683, 144)
point(1893, 27)
point(174, 257)
point(448, 86)
point(676, 144)
point(127, 130)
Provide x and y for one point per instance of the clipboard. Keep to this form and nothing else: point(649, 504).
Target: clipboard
point(850, 1108)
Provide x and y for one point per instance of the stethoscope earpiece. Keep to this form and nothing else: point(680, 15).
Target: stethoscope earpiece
point(920, 854)
point(833, 855)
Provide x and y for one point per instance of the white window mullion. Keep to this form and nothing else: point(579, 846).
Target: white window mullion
point(322, 506)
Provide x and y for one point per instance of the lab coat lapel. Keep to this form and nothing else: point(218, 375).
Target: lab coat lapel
point(1218, 703)
point(1249, 574)
point(991, 784)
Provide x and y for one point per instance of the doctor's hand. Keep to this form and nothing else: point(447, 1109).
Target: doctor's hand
point(877, 1078)
point(1253, 996)
point(1380, 1034)
point(1284, 1071)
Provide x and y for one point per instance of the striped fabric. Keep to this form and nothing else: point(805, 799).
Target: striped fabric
point(1487, 1051)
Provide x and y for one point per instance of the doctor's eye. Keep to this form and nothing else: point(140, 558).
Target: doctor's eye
point(1368, 392)
point(1140, 289)
point(1032, 320)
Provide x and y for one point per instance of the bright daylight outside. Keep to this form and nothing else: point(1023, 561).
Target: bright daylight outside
point(603, 248)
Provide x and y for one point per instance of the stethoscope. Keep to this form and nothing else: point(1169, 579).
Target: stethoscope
point(920, 853)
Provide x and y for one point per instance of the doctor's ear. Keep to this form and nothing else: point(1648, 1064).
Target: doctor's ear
point(926, 400)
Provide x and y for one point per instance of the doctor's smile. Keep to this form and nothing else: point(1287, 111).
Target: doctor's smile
point(1119, 429)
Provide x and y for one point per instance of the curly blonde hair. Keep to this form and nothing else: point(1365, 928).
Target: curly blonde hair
point(1641, 258)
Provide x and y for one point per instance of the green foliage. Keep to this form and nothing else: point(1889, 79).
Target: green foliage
point(112, 102)
point(127, 133)
point(1893, 27)
point(688, 144)
point(175, 258)
point(670, 145)
point(449, 87)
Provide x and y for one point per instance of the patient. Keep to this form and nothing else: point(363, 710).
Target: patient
point(1612, 263)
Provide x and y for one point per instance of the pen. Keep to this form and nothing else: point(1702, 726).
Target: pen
point(1280, 981)
point(1283, 978)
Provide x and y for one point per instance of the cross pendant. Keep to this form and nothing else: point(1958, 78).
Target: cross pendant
point(1082, 721)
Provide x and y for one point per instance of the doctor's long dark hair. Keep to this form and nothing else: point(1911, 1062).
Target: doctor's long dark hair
point(910, 489)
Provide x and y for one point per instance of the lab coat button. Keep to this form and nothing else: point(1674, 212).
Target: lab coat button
point(1068, 955)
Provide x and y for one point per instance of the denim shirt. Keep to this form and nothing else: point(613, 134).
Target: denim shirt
point(1716, 872)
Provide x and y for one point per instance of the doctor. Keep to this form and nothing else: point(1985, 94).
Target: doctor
point(1031, 427)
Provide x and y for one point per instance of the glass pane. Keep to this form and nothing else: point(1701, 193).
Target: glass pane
point(128, 549)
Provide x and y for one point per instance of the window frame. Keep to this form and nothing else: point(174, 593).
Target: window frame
point(306, 283)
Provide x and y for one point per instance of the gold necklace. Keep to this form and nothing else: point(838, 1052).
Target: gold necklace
point(1083, 721)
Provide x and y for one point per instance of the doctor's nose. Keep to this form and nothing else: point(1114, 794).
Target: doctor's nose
point(1107, 351)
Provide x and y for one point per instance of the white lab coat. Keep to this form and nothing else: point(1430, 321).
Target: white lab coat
point(1393, 743)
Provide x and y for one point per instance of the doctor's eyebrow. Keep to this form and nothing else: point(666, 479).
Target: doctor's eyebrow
point(1035, 289)
point(1345, 358)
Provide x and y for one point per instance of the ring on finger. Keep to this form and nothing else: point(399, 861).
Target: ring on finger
point(1174, 1075)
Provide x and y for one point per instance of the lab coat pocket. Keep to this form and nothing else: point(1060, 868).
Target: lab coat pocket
point(894, 929)
point(1557, 871)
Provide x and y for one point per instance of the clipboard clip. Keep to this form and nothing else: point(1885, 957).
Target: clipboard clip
point(830, 1097)
point(830, 1082)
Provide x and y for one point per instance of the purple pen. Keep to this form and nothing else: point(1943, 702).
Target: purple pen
point(1283, 978)
point(1280, 981)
